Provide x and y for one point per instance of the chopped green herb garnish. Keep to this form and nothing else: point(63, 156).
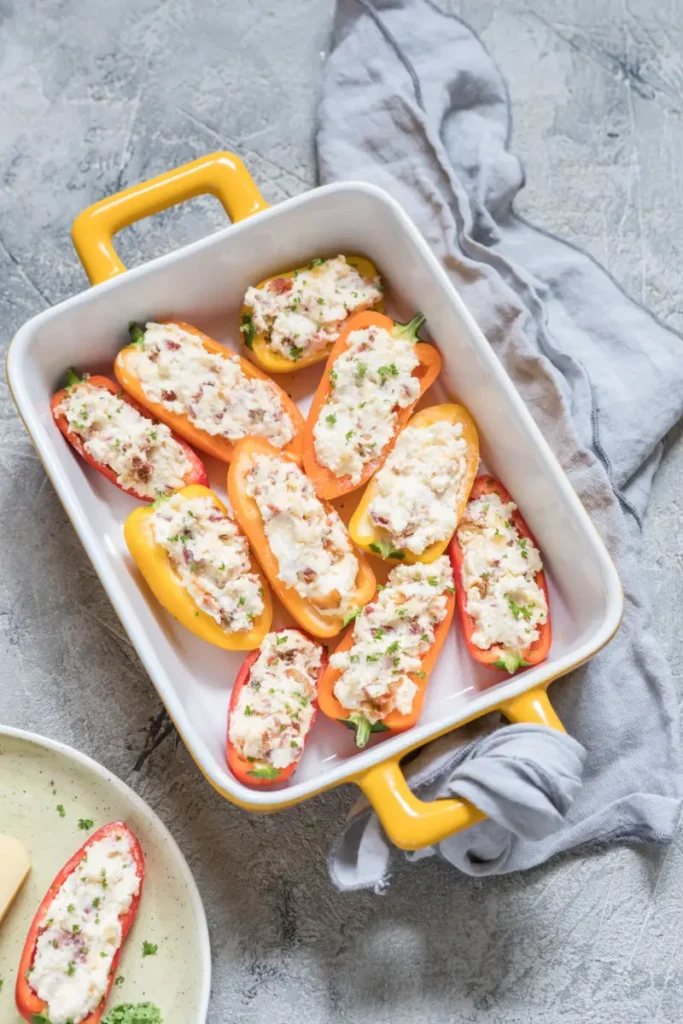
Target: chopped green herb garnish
point(393, 647)
point(85, 823)
point(331, 419)
point(433, 581)
point(519, 609)
point(247, 711)
point(348, 435)
point(60, 810)
point(420, 675)
point(295, 352)
point(133, 1013)
point(333, 377)
point(70, 909)
point(149, 948)
point(317, 262)
point(361, 369)
point(280, 640)
point(71, 969)
point(96, 902)
point(120, 980)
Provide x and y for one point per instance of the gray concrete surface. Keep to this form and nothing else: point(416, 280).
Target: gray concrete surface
point(95, 96)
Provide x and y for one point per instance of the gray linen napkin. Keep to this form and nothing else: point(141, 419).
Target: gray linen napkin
point(413, 102)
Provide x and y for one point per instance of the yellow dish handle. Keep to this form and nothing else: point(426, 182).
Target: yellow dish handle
point(219, 174)
point(411, 823)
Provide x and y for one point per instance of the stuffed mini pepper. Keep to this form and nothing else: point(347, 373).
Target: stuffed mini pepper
point(411, 507)
point(292, 320)
point(198, 565)
point(376, 373)
point(273, 706)
point(73, 947)
point(501, 586)
point(300, 541)
point(204, 392)
point(377, 678)
point(120, 439)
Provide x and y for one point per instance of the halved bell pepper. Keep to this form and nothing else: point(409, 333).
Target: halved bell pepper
point(326, 483)
point(220, 447)
point(306, 613)
point(29, 1005)
point(257, 341)
point(259, 773)
point(495, 657)
point(394, 721)
point(371, 537)
point(153, 562)
point(197, 475)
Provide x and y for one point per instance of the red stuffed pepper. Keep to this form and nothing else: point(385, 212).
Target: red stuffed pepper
point(74, 945)
point(502, 590)
point(273, 706)
point(120, 439)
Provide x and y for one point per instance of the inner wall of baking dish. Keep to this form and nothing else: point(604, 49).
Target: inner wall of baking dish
point(204, 285)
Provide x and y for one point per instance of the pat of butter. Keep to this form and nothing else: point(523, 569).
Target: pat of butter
point(14, 867)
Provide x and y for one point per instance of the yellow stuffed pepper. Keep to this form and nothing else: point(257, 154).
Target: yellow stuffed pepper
point(411, 507)
point(197, 563)
point(292, 320)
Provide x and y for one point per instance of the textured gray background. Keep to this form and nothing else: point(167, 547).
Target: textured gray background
point(97, 95)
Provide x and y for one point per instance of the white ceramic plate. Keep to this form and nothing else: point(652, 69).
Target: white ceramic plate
point(36, 775)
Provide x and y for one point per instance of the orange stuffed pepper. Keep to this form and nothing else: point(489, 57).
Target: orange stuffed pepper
point(292, 320)
point(411, 507)
point(300, 541)
point(198, 565)
point(207, 394)
point(377, 678)
point(376, 372)
point(273, 707)
point(502, 591)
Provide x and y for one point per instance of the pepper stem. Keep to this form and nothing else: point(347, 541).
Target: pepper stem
point(137, 333)
point(363, 728)
point(73, 378)
point(411, 329)
point(509, 661)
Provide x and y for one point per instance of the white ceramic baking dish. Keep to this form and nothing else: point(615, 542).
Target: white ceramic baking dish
point(204, 284)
